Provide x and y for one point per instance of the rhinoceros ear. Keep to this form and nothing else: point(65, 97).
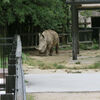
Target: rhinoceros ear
point(41, 35)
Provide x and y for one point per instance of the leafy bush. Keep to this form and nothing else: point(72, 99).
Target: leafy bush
point(95, 46)
point(84, 46)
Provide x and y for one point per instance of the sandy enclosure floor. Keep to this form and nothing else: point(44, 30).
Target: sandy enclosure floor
point(85, 58)
point(66, 96)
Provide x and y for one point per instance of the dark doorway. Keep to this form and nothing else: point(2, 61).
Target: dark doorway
point(95, 24)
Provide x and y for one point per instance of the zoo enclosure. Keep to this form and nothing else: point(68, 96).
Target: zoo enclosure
point(13, 76)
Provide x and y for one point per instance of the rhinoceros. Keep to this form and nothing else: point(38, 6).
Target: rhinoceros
point(47, 41)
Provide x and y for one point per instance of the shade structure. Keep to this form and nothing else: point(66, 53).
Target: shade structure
point(82, 1)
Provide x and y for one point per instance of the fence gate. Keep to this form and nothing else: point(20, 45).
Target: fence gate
point(5, 48)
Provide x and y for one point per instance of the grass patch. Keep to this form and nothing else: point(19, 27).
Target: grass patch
point(65, 47)
point(95, 66)
point(84, 46)
point(29, 97)
point(0, 62)
point(95, 46)
point(78, 62)
point(26, 81)
point(5, 64)
point(57, 66)
point(27, 60)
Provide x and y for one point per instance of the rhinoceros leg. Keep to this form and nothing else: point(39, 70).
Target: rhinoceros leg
point(46, 52)
point(51, 51)
point(57, 47)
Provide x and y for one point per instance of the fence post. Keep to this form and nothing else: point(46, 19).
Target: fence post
point(99, 38)
point(10, 84)
point(8, 96)
point(11, 65)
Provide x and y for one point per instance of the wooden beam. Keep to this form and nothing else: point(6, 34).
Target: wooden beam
point(99, 38)
point(74, 31)
point(88, 7)
point(75, 2)
point(77, 31)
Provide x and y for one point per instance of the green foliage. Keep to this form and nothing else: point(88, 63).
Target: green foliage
point(66, 47)
point(29, 97)
point(95, 66)
point(95, 46)
point(84, 47)
point(42, 13)
point(5, 63)
point(86, 13)
point(78, 62)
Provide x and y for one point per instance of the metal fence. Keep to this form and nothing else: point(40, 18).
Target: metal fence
point(14, 86)
point(5, 48)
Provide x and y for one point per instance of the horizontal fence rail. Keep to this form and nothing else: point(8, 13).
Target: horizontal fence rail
point(15, 86)
point(32, 40)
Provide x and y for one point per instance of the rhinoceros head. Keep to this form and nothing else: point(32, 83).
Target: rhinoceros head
point(42, 43)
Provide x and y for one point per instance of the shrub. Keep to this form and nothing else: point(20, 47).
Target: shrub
point(95, 46)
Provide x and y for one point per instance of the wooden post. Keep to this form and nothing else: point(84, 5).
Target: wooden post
point(99, 38)
point(77, 31)
point(74, 31)
point(10, 84)
point(7, 96)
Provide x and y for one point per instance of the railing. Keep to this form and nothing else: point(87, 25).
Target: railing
point(15, 87)
point(5, 48)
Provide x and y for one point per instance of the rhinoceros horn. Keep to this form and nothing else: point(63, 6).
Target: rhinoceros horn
point(37, 48)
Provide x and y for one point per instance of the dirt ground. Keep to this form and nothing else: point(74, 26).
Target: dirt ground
point(85, 58)
point(66, 96)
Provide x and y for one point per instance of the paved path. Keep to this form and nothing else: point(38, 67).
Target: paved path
point(62, 82)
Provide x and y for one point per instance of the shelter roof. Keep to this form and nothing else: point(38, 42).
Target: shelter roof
point(82, 1)
point(89, 6)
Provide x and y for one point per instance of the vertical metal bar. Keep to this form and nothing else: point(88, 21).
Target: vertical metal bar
point(36, 40)
point(3, 63)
